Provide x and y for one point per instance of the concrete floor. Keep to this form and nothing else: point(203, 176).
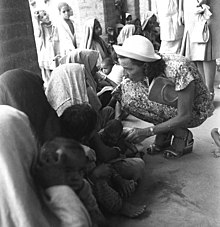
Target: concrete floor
point(182, 192)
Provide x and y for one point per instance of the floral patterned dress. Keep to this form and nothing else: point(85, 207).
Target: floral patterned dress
point(133, 96)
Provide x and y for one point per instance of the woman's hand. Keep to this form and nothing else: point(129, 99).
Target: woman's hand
point(137, 135)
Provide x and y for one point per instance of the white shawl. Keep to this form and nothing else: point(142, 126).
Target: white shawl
point(67, 86)
point(66, 38)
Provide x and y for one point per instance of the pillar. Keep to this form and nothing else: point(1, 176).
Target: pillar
point(17, 44)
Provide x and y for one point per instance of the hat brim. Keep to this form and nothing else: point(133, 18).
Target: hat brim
point(125, 53)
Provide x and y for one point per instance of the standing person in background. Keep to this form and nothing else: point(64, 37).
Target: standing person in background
point(128, 18)
point(66, 30)
point(203, 54)
point(92, 40)
point(151, 29)
point(171, 31)
point(47, 44)
point(215, 133)
point(138, 28)
point(127, 31)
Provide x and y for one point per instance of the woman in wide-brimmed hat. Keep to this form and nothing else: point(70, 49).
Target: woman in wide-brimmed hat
point(166, 90)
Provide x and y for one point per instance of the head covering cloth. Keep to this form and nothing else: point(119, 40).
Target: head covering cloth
point(23, 90)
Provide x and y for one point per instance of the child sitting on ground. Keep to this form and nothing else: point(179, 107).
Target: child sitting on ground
point(113, 135)
point(75, 163)
point(215, 133)
point(112, 182)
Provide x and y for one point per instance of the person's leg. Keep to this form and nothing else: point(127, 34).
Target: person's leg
point(130, 168)
point(161, 142)
point(110, 201)
point(182, 143)
point(199, 65)
point(209, 72)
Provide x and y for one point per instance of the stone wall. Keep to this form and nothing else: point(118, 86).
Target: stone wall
point(17, 45)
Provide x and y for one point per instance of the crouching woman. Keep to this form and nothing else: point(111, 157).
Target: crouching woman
point(166, 90)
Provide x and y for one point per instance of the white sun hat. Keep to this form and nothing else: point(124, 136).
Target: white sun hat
point(137, 47)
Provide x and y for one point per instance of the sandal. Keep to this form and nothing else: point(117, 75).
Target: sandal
point(172, 153)
point(162, 141)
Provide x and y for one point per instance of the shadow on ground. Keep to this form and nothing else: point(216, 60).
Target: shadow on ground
point(182, 192)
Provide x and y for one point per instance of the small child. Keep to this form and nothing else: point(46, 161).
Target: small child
point(106, 65)
point(66, 30)
point(106, 85)
point(75, 163)
point(110, 188)
point(215, 133)
point(113, 135)
point(47, 44)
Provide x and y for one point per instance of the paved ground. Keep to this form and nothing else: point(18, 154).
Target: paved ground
point(183, 192)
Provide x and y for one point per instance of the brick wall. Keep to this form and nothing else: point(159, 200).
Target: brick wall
point(17, 45)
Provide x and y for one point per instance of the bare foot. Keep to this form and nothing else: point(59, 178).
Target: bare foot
point(132, 211)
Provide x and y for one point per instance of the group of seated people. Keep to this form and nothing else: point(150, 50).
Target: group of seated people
point(70, 161)
point(58, 168)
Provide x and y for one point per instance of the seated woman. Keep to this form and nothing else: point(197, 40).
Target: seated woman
point(185, 104)
point(66, 87)
point(23, 90)
point(92, 40)
point(96, 81)
point(21, 201)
